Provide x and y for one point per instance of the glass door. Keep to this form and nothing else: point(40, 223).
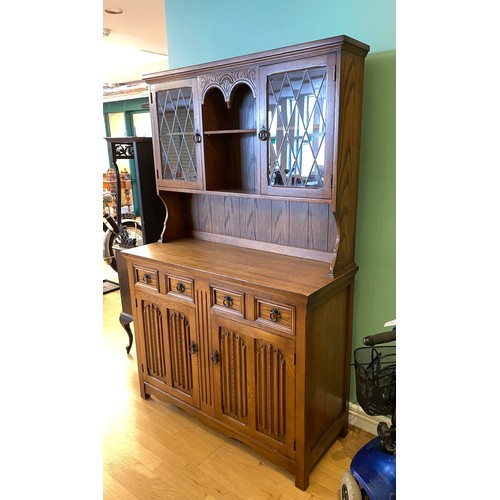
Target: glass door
point(178, 138)
point(295, 138)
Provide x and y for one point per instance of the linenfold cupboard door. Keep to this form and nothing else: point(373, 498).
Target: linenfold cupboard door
point(254, 376)
point(166, 333)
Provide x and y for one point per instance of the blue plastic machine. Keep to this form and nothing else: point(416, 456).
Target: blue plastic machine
point(373, 469)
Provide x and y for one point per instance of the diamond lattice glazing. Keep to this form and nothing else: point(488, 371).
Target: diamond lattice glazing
point(296, 121)
point(176, 131)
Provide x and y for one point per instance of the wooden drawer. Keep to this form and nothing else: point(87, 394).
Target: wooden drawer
point(146, 277)
point(181, 287)
point(228, 301)
point(276, 315)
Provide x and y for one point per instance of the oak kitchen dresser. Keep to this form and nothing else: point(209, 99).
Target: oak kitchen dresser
point(243, 310)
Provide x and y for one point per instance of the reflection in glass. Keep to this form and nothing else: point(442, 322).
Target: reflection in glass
point(176, 131)
point(296, 123)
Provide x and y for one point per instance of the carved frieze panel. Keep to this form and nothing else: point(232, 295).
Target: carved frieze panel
point(123, 150)
point(226, 81)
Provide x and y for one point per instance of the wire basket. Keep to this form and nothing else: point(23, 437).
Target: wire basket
point(376, 379)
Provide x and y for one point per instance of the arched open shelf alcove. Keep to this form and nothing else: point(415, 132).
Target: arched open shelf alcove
point(230, 140)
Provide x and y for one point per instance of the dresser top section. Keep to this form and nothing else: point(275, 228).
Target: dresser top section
point(244, 266)
point(281, 54)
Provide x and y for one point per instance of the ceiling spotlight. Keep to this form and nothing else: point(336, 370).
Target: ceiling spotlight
point(106, 32)
point(114, 10)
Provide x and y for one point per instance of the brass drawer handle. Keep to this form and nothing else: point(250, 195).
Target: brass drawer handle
point(146, 278)
point(215, 357)
point(274, 314)
point(228, 301)
point(180, 287)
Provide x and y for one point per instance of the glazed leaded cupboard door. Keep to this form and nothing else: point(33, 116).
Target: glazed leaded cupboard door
point(178, 135)
point(296, 132)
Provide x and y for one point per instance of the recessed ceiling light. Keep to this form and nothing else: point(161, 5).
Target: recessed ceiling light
point(114, 10)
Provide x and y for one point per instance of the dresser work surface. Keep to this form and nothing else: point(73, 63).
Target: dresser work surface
point(258, 268)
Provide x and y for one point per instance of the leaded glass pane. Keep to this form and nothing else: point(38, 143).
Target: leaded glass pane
point(176, 131)
point(296, 123)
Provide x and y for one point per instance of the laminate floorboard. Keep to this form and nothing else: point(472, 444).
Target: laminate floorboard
point(153, 450)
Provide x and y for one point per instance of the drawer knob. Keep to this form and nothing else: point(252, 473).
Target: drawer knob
point(228, 301)
point(180, 287)
point(193, 347)
point(215, 357)
point(146, 278)
point(274, 314)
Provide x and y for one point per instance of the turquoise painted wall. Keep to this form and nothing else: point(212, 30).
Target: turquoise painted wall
point(207, 30)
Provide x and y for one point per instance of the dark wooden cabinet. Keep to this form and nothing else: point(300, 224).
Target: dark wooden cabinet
point(147, 205)
point(243, 310)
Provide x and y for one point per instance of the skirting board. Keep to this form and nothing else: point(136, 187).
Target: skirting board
point(358, 418)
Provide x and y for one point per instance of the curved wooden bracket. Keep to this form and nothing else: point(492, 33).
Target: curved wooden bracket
point(335, 246)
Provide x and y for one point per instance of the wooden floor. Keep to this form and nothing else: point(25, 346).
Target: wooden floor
point(151, 450)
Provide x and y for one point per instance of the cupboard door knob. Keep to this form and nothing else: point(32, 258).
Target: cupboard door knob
point(193, 347)
point(215, 357)
point(274, 314)
point(146, 278)
point(228, 301)
point(197, 137)
point(263, 134)
point(180, 287)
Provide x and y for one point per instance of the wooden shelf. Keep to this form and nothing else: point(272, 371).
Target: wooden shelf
point(231, 131)
point(248, 193)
